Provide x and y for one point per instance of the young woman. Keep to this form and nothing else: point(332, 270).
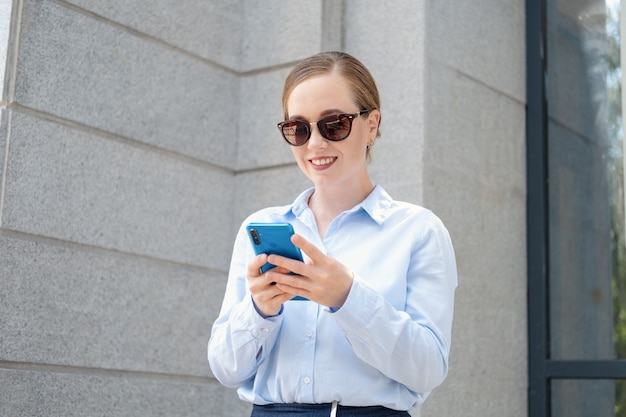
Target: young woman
point(373, 336)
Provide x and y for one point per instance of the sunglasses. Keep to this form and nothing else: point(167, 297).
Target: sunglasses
point(336, 127)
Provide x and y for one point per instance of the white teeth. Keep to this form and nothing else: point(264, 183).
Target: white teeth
point(320, 162)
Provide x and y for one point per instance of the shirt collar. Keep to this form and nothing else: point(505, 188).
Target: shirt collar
point(376, 204)
point(301, 203)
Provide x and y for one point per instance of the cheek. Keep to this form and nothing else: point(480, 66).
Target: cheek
point(362, 137)
point(298, 154)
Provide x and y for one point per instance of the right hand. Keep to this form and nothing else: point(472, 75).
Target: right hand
point(267, 297)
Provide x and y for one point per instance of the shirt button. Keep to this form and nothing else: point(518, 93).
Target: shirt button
point(309, 334)
point(307, 380)
point(265, 330)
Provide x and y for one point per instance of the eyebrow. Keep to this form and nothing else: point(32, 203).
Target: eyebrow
point(323, 114)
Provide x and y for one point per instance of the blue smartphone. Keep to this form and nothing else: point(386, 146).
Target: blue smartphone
point(273, 238)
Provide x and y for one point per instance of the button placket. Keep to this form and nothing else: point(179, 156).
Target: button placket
point(308, 350)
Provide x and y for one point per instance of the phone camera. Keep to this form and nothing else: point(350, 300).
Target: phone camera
point(255, 236)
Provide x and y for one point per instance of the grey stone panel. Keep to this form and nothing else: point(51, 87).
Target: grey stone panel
point(243, 35)
point(80, 68)
point(209, 29)
point(474, 133)
point(266, 188)
point(260, 143)
point(489, 246)
point(388, 40)
point(475, 181)
point(278, 32)
point(71, 306)
point(333, 14)
point(4, 116)
point(72, 185)
point(485, 41)
point(58, 394)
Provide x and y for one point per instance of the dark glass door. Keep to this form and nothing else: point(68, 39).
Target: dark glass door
point(576, 225)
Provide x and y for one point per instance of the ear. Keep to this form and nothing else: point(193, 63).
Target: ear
point(373, 120)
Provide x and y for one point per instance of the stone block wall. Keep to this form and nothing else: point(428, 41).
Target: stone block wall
point(136, 137)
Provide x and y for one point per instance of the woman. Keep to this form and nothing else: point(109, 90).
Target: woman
point(373, 336)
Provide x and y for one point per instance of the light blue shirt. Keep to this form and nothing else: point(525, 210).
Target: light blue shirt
point(387, 345)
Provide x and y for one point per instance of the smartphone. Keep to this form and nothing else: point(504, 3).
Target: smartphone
point(273, 238)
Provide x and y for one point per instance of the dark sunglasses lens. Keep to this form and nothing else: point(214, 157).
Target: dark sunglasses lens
point(335, 127)
point(296, 132)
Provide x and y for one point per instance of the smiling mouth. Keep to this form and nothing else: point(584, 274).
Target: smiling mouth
point(322, 161)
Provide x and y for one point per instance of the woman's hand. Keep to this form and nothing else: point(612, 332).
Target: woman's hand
point(321, 278)
point(267, 296)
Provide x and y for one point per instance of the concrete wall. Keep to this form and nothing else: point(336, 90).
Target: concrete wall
point(474, 177)
point(137, 138)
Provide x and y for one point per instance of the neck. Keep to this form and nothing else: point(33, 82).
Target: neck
point(328, 202)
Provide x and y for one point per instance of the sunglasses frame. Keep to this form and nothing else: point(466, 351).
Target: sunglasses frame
point(320, 126)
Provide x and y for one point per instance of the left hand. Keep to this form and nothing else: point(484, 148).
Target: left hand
point(321, 278)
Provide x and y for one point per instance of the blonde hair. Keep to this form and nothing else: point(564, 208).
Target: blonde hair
point(360, 81)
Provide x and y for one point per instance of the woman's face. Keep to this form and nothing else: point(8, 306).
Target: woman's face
point(327, 163)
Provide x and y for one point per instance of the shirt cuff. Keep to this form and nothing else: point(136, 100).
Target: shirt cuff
point(263, 315)
point(245, 319)
point(359, 306)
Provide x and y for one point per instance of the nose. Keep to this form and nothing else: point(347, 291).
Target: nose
point(316, 140)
